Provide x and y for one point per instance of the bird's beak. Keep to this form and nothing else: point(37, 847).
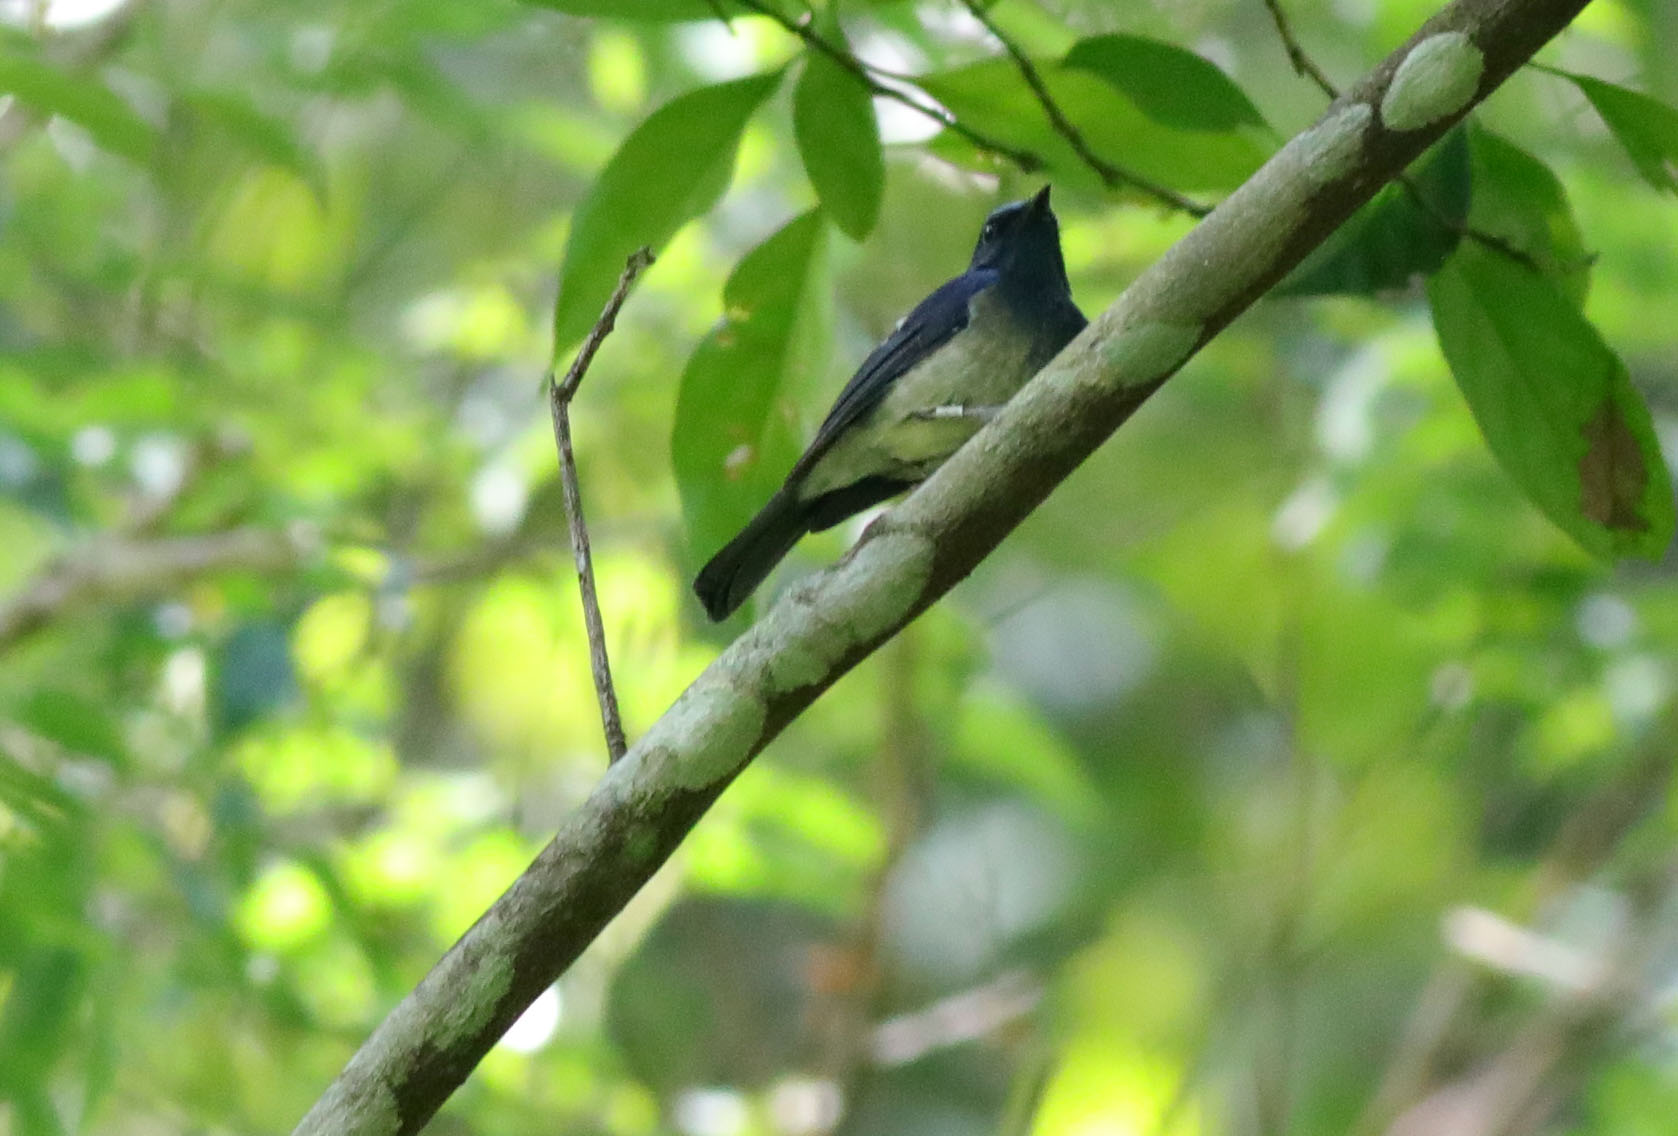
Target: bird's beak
point(1040, 203)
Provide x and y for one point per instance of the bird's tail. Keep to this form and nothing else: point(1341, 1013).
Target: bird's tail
point(735, 572)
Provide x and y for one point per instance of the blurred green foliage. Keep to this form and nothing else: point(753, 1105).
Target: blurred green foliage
point(1288, 720)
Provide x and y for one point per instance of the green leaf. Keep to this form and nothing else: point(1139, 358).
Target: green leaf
point(839, 142)
point(74, 722)
point(662, 11)
point(1646, 127)
point(1555, 404)
point(993, 98)
point(649, 11)
point(735, 437)
point(1519, 200)
point(1396, 237)
point(36, 799)
point(80, 98)
point(38, 1020)
point(1173, 87)
point(673, 167)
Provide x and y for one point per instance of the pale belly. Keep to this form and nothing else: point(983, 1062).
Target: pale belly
point(975, 369)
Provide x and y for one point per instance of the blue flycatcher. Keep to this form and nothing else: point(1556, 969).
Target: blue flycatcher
point(941, 374)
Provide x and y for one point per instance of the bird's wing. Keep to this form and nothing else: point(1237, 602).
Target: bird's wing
point(933, 323)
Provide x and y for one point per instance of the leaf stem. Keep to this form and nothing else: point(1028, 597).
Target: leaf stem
point(1303, 65)
point(1112, 176)
point(803, 29)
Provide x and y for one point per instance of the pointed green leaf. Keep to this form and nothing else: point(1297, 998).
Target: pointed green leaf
point(1173, 87)
point(1646, 127)
point(1403, 233)
point(673, 167)
point(1519, 200)
point(1555, 404)
point(80, 725)
point(735, 436)
point(839, 142)
point(992, 98)
point(35, 799)
point(79, 98)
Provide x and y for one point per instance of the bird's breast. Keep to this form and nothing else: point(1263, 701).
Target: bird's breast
point(983, 365)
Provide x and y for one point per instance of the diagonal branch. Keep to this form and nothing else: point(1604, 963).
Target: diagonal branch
point(1306, 67)
point(1113, 177)
point(123, 568)
point(645, 804)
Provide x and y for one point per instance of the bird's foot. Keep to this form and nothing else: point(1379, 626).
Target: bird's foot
point(961, 411)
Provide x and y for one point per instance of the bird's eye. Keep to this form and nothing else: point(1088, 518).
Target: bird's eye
point(989, 231)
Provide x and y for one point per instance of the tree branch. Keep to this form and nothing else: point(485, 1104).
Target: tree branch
point(645, 804)
point(1306, 67)
point(119, 568)
point(1113, 177)
point(560, 394)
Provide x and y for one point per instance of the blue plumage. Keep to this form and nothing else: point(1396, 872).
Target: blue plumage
point(919, 395)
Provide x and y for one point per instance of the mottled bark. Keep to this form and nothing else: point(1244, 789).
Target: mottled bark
point(645, 804)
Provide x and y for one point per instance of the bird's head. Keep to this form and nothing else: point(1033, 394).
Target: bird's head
point(1022, 239)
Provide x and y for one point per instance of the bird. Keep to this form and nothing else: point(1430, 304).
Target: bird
point(945, 370)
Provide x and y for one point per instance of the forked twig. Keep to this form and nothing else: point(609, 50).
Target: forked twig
point(868, 76)
point(560, 394)
point(1112, 176)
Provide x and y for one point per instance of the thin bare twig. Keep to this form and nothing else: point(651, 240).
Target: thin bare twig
point(560, 394)
point(803, 29)
point(1112, 176)
point(1302, 63)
